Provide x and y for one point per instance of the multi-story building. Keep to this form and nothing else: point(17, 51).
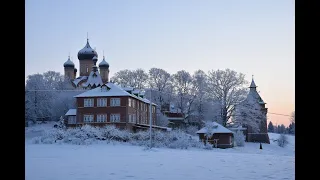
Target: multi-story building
point(109, 104)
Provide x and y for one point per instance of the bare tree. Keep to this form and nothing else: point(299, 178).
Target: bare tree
point(140, 78)
point(186, 95)
point(38, 102)
point(124, 78)
point(199, 82)
point(159, 80)
point(132, 78)
point(43, 98)
point(226, 87)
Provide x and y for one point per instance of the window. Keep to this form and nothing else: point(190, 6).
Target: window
point(153, 109)
point(130, 118)
point(114, 117)
point(87, 69)
point(87, 118)
point(115, 102)
point(129, 102)
point(133, 103)
point(88, 103)
point(102, 102)
point(101, 118)
point(138, 118)
point(134, 118)
point(71, 119)
point(138, 105)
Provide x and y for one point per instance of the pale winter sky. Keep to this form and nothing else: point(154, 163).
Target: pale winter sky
point(249, 36)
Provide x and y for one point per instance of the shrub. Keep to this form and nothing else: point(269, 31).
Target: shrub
point(282, 140)
point(239, 138)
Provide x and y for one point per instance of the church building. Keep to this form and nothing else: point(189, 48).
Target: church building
point(89, 76)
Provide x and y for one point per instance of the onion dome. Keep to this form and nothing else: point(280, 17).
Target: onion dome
point(104, 63)
point(95, 59)
point(68, 63)
point(87, 52)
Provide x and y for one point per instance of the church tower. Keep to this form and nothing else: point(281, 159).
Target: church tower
point(85, 56)
point(255, 99)
point(104, 70)
point(69, 70)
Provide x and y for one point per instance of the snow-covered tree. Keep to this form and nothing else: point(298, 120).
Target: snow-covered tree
point(38, 98)
point(270, 127)
point(291, 128)
point(124, 78)
point(45, 98)
point(239, 138)
point(282, 129)
point(140, 78)
point(199, 82)
point(160, 82)
point(228, 88)
point(185, 92)
point(209, 130)
point(293, 117)
point(131, 78)
point(249, 114)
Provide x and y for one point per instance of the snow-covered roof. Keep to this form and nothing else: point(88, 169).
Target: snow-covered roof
point(136, 91)
point(71, 112)
point(68, 63)
point(94, 78)
point(217, 128)
point(103, 63)
point(78, 79)
point(142, 93)
point(113, 91)
point(87, 49)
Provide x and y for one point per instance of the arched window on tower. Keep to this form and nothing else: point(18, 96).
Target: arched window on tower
point(87, 69)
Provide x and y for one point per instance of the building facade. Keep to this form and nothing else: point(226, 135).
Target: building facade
point(110, 104)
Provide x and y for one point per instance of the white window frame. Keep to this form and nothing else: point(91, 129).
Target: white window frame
point(114, 117)
point(88, 118)
point(102, 102)
point(130, 118)
point(115, 102)
point(72, 120)
point(129, 102)
point(133, 103)
point(88, 102)
point(102, 118)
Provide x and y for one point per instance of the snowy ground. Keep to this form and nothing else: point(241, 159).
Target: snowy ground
point(119, 161)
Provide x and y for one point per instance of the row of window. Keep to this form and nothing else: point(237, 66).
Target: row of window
point(141, 106)
point(101, 102)
point(101, 118)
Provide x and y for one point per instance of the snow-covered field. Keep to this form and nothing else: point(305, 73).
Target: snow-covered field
point(120, 161)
